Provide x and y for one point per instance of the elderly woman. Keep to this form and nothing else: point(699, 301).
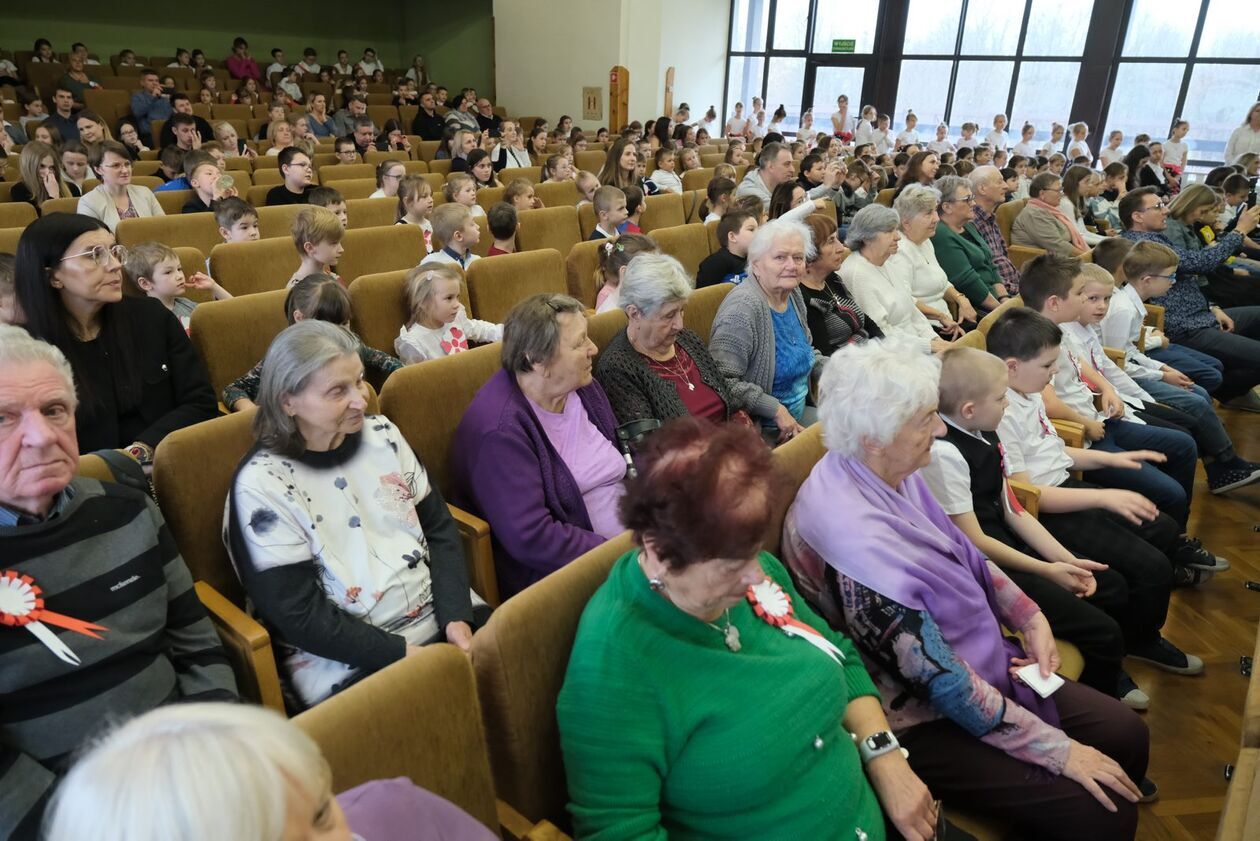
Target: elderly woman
point(961, 249)
point(686, 705)
point(1043, 224)
point(882, 293)
point(916, 259)
point(137, 373)
point(760, 337)
point(655, 367)
point(116, 198)
point(867, 539)
point(168, 774)
point(834, 317)
point(346, 550)
point(535, 452)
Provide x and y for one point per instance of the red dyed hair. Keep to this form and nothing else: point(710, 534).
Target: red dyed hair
point(703, 492)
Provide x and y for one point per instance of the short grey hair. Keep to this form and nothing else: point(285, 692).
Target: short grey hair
point(915, 200)
point(769, 152)
point(774, 230)
point(870, 222)
point(651, 282)
point(948, 186)
point(531, 330)
point(982, 175)
point(18, 347)
point(877, 387)
point(200, 756)
point(297, 354)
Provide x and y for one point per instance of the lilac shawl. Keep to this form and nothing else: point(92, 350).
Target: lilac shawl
point(901, 544)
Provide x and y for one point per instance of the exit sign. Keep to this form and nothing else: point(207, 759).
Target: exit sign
point(843, 45)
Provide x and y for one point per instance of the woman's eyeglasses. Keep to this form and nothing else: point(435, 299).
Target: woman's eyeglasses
point(101, 254)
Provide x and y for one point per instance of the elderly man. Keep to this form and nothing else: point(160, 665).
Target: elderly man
point(774, 167)
point(364, 135)
point(989, 190)
point(486, 118)
point(343, 120)
point(149, 104)
point(93, 553)
point(428, 123)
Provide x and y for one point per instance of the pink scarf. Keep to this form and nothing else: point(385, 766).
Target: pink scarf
point(1077, 240)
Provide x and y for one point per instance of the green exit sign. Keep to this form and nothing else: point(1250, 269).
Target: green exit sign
point(843, 45)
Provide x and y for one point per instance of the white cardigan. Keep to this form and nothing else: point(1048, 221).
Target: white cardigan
point(883, 293)
point(100, 205)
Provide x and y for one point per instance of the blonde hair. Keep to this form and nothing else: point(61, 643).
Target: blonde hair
point(143, 259)
point(420, 282)
point(179, 766)
point(1192, 199)
point(517, 187)
point(455, 183)
point(966, 374)
point(448, 219)
point(316, 225)
point(1148, 257)
point(1097, 274)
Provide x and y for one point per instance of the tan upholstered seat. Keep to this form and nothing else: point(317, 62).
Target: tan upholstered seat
point(496, 284)
point(231, 336)
point(353, 188)
point(689, 244)
point(1006, 213)
point(550, 227)
point(371, 213)
point(702, 308)
point(193, 230)
point(245, 268)
point(558, 194)
point(16, 214)
point(379, 308)
point(590, 161)
point(346, 172)
point(662, 211)
point(533, 174)
point(579, 270)
point(488, 197)
point(697, 179)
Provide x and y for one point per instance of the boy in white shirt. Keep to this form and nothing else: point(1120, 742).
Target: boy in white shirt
point(1125, 528)
point(454, 226)
point(310, 62)
point(277, 65)
point(664, 177)
point(942, 143)
point(369, 64)
point(998, 138)
point(880, 137)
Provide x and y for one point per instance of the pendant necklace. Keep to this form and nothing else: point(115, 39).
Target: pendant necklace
point(730, 634)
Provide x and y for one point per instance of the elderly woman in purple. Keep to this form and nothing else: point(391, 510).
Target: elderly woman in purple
point(879, 557)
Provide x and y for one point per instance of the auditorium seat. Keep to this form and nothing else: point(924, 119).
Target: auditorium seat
point(697, 179)
point(885, 196)
point(549, 227)
point(664, 210)
point(557, 195)
point(441, 167)
point(378, 307)
point(603, 327)
point(19, 214)
point(371, 213)
point(232, 335)
point(245, 268)
point(1006, 213)
point(70, 205)
point(193, 230)
point(345, 172)
point(426, 149)
point(488, 197)
point(587, 220)
point(267, 178)
point(590, 161)
point(689, 244)
point(579, 269)
point(277, 221)
point(1240, 816)
point(497, 284)
point(173, 201)
point(702, 307)
point(533, 174)
point(9, 240)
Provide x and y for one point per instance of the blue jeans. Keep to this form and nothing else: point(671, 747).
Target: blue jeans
point(1239, 351)
point(1168, 485)
point(1206, 371)
point(1208, 431)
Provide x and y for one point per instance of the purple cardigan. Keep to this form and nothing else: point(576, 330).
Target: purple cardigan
point(505, 470)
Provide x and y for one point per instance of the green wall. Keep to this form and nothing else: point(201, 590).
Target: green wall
point(457, 40)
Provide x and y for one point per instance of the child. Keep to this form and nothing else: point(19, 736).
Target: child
point(415, 203)
point(614, 256)
point(908, 135)
point(666, 180)
point(968, 139)
point(1010, 178)
point(345, 150)
point(1025, 145)
point(729, 264)
point(457, 230)
point(1111, 153)
point(237, 220)
point(634, 211)
point(317, 234)
point(1053, 285)
point(461, 189)
point(295, 168)
point(318, 297)
point(941, 144)
point(439, 326)
point(208, 182)
point(689, 159)
point(587, 183)
point(1185, 407)
point(388, 173)
point(154, 269)
point(330, 198)
point(880, 138)
point(983, 155)
point(998, 138)
point(520, 194)
point(724, 171)
point(1019, 163)
point(610, 212)
point(965, 475)
point(1078, 146)
point(718, 198)
point(8, 296)
point(557, 169)
point(501, 220)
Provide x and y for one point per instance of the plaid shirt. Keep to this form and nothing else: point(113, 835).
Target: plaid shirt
point(986, 224)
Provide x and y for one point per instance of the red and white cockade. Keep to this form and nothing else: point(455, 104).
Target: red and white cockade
point(22, 606)
point(774, 607)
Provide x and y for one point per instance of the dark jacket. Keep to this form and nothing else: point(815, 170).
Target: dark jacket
point(636, 392)
point(429, 127)
point(721, 267)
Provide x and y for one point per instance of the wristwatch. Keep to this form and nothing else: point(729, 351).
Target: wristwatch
point(878, 744)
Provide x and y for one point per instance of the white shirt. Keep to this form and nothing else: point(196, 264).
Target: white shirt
point(1050, 147)
point(928, 280)
point(1110, 156)
point(1176, 153)
point(865, 133)
point(370, 67)
point(441, 256)
point(1029, 441)
point(1241, 140)
point(1024, 148)
point(884, 295)
point(1122, 328)
point(379, 194)
point(948, 476)
point(1069, 210)
point(845, 122)
point(514, 158)
point(967, 142)
point(736, 125)
point(941, 146)
point(343, 69)
point(418, 343)
point(1070, 386)
point(274, 67)
point(1089, 337)
point(882, 140)
point(668, 182)
point(998, 139)
point(907, 136)
point(1077, 149)
point(757, 130)
point(312, 68)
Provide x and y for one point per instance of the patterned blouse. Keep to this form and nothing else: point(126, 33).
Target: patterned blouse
point(835, 319)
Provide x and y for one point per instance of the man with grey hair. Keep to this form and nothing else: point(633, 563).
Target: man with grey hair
point(989, 190)
point(774, 167)
point(78, 552)
point(343, 119)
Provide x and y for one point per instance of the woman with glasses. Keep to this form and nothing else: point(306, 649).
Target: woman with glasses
point(962, 250)
point(116, 198)
point(1043, 224)
point(137, 373)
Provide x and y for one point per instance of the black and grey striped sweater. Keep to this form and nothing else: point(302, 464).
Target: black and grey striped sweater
point(106, 558)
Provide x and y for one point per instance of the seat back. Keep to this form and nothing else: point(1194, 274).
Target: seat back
point(172, 201)
point(549, 227)
point(520, 658)
point(233, 335)
point(688, 244)
point(603, 327)
point(885, 196)
point(532, 174)
point(563, 193)
point(590, 161)
point(192, 261)
point(9, 239)
point(702, 307)
point(20, 214)
point(662, 211)
point(268, 178)
point(70, 205)
point(192, 230)
point(426, 149)
point(382, 249)
point(795, 460)
point(488, 197)
point(378, 305)
point(353, 188)
point(346, 172)
point(1006, 213)
point(987, 321)
point(246, 268)
point(371, 213)
point(586, 219)
point(448, 385)
point(698, 179)
point(579, 270)
point(430, 697)
point(495, 285)
point(277, 221)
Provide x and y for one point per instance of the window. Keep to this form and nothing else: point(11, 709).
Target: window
point(853, 20)
point(1143, 99)
point(1216, 103)
point(1159, 28)
point(1057, 27)
point(829, 83)
point(924, 89)
point(783, 87)
point(992, 27)
point(744, 83)
point(931, 28)
point(1231, 31)
point(1043, 95)
point(980, 92)
point(791, 20)
point(749, 22)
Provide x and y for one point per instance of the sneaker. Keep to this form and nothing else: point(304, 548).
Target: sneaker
point(1232, 474)
point(1190, 553)
point(1150, 791)
point(1249, 402)
point(1187, 577)
point(1164, 655)
point(1130, 694)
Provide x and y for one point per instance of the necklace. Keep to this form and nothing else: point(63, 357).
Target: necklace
point(730, 634)
point(677, 369)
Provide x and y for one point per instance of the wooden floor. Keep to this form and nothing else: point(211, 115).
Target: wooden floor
point(1195, 722)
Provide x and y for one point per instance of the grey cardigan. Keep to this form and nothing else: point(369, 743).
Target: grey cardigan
point(742, 344)
point(1034, 226)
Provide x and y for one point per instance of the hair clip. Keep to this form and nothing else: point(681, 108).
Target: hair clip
point(608, 247)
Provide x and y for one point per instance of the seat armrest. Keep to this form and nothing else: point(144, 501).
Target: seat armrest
point(474, 534)
point(1021, 254)
point(1029, 496)
point(1116, 355)
point(1072, 433)
point(517, 827)
point(248, 647)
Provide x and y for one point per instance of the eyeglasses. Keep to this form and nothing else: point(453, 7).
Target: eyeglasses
point(1171, 278)
point(306, 165)
point(117, 165)
point(1159, 205)
point(969, 199)
point(101, 254)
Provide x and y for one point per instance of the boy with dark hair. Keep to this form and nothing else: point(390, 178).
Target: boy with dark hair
point(729, 264)
point(237, 220)
point(332, 199)
point(634, 211)
point(295, 166)
point(501, 220)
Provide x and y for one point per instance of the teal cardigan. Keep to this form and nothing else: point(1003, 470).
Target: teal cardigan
point(666, 733)
point(967, 261)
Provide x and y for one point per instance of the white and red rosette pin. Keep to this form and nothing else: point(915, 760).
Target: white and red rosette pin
point(22, 606)
point(774, 607)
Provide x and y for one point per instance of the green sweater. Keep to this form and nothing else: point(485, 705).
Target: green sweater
point(666, 733)
point(967, 261)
